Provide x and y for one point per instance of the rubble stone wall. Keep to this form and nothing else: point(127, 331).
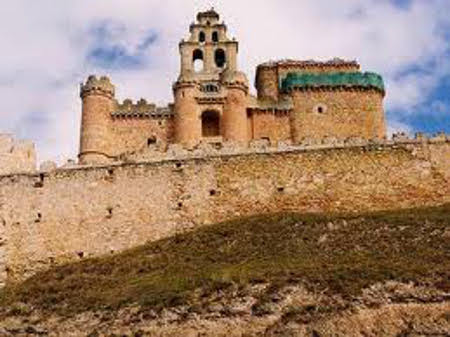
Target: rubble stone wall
point(16, 156)
point(69, 214)
point(340, 114)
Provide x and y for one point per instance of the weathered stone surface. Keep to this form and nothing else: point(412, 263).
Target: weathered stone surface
point(16, 156)
point(80, 212)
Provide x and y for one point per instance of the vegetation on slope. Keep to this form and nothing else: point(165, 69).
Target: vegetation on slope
point(334, 253)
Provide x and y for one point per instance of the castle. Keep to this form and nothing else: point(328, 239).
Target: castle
point(313, 140)
point(296, 100)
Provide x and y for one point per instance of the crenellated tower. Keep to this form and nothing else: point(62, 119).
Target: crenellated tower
point(97, 105)
point(210, 93)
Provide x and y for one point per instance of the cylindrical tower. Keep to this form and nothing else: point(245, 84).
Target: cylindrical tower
point(234, 120)
point(98, 102)
point(188, 129)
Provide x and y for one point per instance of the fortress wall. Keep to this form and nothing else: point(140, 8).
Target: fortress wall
point(76, 213)
point(16, 156)
point(349, 113)
point(131, 134)
point(265, 124)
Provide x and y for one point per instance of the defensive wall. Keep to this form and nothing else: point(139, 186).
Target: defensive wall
point(67, 214)
point(16, 156)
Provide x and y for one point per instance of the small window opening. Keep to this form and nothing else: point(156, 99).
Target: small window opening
point(320, 109)
point(110, 172)
point(110, 212)
point(197, 58)
point(180, 204)
point(212, 192)
point(178, 165)
point(151, 141)
point(80, 254)
point(40, 183)
point(39, 218)
point(220, 58)
point(215, 37)
point(280, 189)
point(202, 37)
point(210, 124)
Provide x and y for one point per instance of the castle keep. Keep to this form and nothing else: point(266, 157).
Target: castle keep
point(296, 100)
point(311, 140)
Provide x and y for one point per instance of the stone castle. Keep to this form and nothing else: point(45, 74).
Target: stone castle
point(296, 100)
point(312, 140)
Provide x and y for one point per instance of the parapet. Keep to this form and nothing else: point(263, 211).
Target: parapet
point(219, 149)
point(94, 86)
point(16, 156)
point(141, 109)
point(308, 65)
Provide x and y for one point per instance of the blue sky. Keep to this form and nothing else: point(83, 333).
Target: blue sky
point(53, 46)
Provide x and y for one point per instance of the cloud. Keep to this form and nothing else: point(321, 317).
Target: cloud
point(54, 45)
point(110, 49)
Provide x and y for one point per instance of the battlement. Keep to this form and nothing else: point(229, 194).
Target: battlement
point(141, 109)
point(16, 156)
point(335, 63)
point(263, 146)
point(94, 86)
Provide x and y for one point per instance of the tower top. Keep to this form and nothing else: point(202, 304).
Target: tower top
point(208, 15)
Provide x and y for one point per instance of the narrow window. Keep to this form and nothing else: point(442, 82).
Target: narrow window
point(215, 37)
point(220, 58)
point(202, 37)
point(151, 141)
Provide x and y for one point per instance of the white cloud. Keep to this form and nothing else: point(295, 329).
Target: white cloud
point(48, 41)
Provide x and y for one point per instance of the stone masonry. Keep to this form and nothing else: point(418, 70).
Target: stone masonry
point(311, 140)
point(213, 104)
point(74, 213)
point(16, 156)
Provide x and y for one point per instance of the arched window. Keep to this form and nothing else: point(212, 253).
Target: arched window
point(197, 58)
point(215, 37)
point(202, 37)
point(220, 58)
point(210, 124)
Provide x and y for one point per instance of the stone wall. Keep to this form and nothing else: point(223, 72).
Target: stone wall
point(16, 156)
point(272, 125)
point(132, 134)
point(70, 214)
point(338, 113)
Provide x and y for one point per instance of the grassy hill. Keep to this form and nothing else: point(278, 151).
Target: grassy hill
point(336, 254)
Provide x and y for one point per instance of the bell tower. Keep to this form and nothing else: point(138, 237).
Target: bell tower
point(208, 69)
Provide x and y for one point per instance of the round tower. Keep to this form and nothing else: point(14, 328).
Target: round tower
point(97, 105)
point(234, 119)
point(187, 122)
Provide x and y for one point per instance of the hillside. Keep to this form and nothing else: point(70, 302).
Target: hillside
point(269, 275)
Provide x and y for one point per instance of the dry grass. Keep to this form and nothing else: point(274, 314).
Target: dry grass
point(343, 257)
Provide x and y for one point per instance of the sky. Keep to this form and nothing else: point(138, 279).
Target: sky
point(49, 47)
